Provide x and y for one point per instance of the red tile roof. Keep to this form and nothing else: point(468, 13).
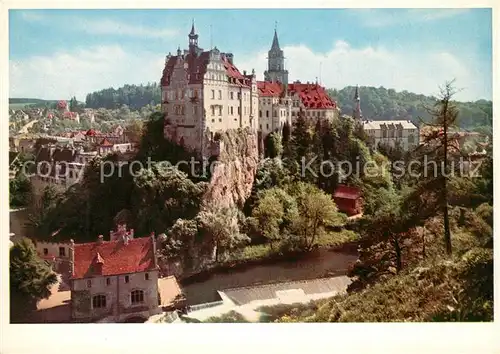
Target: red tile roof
point(61, 104)
point(346, 192)
point(91, 132)
point(105, 142)
point(69, 114)
point(312, 96)
point(116, 257)
point(269, 89)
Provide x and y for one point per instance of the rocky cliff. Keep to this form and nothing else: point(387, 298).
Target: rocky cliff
point(234, 171)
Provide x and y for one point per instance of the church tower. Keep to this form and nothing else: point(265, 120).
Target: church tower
point(276, 63)
point(356, 112)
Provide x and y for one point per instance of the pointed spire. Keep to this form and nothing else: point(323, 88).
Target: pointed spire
point(356, 93)
point(192, 28)
point(275, 44)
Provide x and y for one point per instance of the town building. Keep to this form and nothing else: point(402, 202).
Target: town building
point(114, 280)
point(204, 93)
point(392, 133)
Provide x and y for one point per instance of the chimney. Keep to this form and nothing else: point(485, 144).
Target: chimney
point(153, 242)
point(98, 263)
point(244, 72)
point(100, 239)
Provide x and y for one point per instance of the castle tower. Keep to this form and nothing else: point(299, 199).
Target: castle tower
point(276, 63)
point(193, 40)
point(356, 112)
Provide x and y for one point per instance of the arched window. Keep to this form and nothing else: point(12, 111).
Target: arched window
point(137, 296)
point(99, 301)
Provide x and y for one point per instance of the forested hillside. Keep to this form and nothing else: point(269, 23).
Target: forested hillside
point(135, 97)
point(388, 104)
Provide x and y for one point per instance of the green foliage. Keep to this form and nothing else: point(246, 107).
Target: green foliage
point(273, 145)
point(162, 194)
point(20, 191)
point(133, 96)
point(221, 227)
point(230, 317)
point(316, 212)
point(30, 279)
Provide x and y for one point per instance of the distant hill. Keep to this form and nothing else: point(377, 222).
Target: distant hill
point(20, 103)
point(387, 104)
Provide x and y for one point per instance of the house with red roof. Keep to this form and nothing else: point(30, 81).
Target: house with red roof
point(203, 92)
point(348, 200)
point(114, 281)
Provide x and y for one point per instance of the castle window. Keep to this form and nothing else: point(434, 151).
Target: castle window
point(213, 110)
point(213, 94)
point(45, 251)
point(260, 126)
point(232, 95)
point(267, 114)
point(146, 276)
point(239, 95)
point(89, 283)
point(231, 110)
point(260, 113)
point(220, 110)
point(267, 126)
point(126, 279)
point(220, 95)
point(99, 301)
point(220, 120)
point(62, 252)
point(213, 120)
point(239, 110)
point(108, 281)
point(137, 296)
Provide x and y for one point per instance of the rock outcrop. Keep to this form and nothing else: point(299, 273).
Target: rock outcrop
point(234, 171)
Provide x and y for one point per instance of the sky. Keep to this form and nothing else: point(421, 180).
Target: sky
point(57, 54)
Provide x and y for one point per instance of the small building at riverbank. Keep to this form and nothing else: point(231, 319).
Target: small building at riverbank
point(348, 200)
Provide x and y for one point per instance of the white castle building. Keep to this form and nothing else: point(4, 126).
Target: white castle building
point(203, 93)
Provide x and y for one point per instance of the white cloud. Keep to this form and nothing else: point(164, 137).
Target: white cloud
point(65, 74)
point(121, 28)
point(343, 65)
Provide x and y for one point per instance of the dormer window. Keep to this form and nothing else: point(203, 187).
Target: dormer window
point(126, 279)
point(146, 276)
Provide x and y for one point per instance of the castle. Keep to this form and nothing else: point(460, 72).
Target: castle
point(204, 93)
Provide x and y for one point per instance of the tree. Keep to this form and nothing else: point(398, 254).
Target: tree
point(316, 212)
point(220, 224)
point(73, 104)
point(134, 130)
point(275, 212)
point(440, 148)
point(273, 145)
point(31, 279)
point(161, 195)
